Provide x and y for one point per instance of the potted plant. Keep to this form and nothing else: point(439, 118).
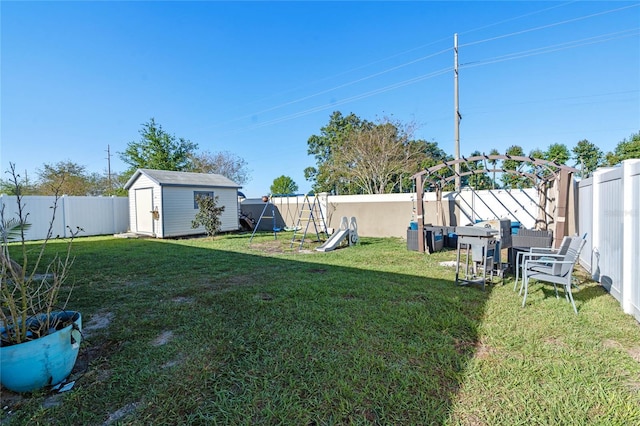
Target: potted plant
point(39, 337)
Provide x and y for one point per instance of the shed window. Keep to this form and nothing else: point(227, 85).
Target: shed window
point(202, 193)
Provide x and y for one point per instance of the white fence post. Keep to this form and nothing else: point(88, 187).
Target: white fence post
point(630, 245)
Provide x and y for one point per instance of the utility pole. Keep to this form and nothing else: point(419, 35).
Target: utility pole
point(457, 110)
point(109, 169)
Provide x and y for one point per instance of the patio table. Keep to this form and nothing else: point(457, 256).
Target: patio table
point(476, 243)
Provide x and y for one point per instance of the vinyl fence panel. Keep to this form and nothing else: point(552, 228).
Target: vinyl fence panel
point(585, 220)
point(95, 215)
point(608, 232)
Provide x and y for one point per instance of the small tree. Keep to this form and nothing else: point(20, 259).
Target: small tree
point(208, 214)
point(25, 292)
point(588, 157)
point(514, 180)
point(283, 185)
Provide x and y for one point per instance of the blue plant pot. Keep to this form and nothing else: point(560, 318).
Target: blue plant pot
point(42, 362)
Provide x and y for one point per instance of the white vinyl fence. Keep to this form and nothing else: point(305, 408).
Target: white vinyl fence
point(95, 215)
point(609, 212)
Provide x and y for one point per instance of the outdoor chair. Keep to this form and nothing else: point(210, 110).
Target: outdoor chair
point(556, 269)
point(538, 253)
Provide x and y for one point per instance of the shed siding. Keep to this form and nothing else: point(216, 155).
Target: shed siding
point(178, 210)
point(228, 197)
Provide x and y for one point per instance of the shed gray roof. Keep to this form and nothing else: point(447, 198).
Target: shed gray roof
point(171, 178)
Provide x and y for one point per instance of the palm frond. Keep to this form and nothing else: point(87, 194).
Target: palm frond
point(11, 229)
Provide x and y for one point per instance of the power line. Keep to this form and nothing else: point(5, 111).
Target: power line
point(504, 21)
point(556, 47)
point(341, 86)
point(555, 24)
point(566, 98)
point(344, 101)
point(511, 56)
point(364, 66)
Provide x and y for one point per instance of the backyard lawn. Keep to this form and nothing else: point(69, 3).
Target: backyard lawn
point(202, 331)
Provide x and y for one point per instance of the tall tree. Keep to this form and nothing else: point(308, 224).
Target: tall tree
point(283, 185)
point(325, 176)
point(588, 157)
point(374, 156)
point(419, 155)
point(159, 150)
point(435, 155)
point(348, 146)
point(223, 163)
point(625, 150)
point(66, 177)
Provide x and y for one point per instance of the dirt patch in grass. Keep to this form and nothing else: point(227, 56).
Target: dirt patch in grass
point(264, 296)
point(275, 246)
point(174, 362)
point(183, 299)
point(635, 353)
point(610, 343)
point(556, 342)
point(52, 401)
point(614, 344)
point(164, 338)
point(98, 321)
point(284, 246)
point(121, 413)
point(482, 350)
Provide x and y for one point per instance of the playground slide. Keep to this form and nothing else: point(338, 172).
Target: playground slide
point(334, 241)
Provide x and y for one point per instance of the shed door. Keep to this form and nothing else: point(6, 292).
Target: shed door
point(144, 207)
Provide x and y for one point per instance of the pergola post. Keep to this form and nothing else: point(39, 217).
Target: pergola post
point(420, 212)
point(560, 220)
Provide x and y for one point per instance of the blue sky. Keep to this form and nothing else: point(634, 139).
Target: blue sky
point(259, 78)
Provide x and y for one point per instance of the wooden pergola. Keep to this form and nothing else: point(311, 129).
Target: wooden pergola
point(544, 172)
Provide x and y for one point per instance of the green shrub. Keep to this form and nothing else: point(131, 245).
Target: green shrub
point(208, 214)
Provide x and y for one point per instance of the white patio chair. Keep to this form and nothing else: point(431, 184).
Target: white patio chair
point(538, 253)
point(556, 270)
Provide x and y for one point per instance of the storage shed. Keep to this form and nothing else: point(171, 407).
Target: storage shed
point(162, 203)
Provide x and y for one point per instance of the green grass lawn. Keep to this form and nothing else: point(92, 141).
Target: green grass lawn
point(201, 331)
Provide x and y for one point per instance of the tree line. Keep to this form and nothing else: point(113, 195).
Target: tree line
point(352, 156)
point(356, 156)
